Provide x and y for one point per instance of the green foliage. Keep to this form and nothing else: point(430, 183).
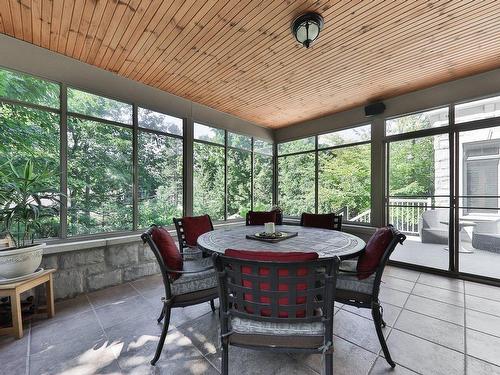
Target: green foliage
point(296, 183)
point(411, 167)
point(29, 89)
point(344, 180)
point(99, 177)
point(160, 179)
point(26, 198)
point(208, 180)
point(262, 182)
point(239, 171)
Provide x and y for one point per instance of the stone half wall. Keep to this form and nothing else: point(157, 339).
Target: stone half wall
point(86, 270)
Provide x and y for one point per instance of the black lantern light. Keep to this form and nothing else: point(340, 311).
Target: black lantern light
point(306, 28)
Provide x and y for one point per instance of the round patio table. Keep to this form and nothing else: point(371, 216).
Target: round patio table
point(327, 243)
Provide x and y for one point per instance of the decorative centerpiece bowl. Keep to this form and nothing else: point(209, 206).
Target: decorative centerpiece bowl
point(20, 261)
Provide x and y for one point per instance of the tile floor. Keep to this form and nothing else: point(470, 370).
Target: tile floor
point(436, 325)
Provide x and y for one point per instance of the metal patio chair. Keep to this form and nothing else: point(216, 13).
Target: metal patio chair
point(278, 306)
point(260, 217)
point(196, 283)
point(361, 289)
point(324, 221)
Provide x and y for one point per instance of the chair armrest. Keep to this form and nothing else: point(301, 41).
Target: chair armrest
point(352, 256)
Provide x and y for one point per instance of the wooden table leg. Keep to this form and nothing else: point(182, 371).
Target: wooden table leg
point(49, 290)
point(17, 319)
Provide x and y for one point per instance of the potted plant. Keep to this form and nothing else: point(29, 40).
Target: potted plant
point(26, 198)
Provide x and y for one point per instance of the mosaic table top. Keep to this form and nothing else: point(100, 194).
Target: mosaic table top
point(327, 243)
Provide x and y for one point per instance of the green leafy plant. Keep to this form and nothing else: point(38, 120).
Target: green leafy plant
point(26, 198)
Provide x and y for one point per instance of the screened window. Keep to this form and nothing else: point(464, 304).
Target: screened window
point(208, 180)
point(232, 173)
point(300, 145)
point(344, 137)
point(30, 133)
point(100, 196)
point(239, 141)
point(263, 147)
point(160, 169)
point(239, 175)
point(477, 110)
point(99, 177)
point(262, 175)
point(209, 134)
point(343, 170)
point(84, 103)
point(29, 89)
point(424, 120)
point(161, 122)
point(296, 179)
point(344, 182)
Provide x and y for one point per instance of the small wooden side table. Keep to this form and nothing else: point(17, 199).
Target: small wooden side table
point(14, 291)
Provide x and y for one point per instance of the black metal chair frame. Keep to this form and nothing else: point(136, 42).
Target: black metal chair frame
point(371, 301)
point(337, 221)
point(320, 284)
point(170, 301)
point(247, 217)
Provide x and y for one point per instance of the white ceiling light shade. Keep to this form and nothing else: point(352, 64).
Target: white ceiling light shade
point(306, 28)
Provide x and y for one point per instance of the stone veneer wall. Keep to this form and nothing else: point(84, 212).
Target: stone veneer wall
point(80, 271)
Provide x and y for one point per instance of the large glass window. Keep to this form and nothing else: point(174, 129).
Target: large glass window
point(419, 121)
point(208, 180)
point(98, 185)
point(299, 145)
point(477, 110)
point(28, 89)
point(96, 106)
point(30, 134)
point(99, 177)
point(262, 175)
point(214, 157)
point(239, 176)
point(100, 195)
point(344, 182)
point(160, 169)
point(343, 174)
point(296, 183)
point(161, 122)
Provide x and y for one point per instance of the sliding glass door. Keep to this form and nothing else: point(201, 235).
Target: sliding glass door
point(418, 200)
point(479, 208)
point(443, 187)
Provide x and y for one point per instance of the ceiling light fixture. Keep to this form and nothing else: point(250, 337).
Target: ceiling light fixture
point(306, 28)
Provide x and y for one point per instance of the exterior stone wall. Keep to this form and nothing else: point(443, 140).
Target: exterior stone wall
point(81, 271)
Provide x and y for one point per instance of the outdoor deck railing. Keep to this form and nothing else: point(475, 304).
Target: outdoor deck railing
point(404, 214)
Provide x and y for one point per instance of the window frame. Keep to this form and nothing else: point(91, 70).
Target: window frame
point(252, 160)
point(316, 150)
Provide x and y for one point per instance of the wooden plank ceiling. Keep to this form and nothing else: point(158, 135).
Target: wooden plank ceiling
point(239, 56)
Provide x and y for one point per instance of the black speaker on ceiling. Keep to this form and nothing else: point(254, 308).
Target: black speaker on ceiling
point(374, 109)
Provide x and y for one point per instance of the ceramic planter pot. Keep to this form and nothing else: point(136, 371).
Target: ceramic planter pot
point(21, 261)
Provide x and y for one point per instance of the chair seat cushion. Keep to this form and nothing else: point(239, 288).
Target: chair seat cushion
point(194, 227)
point(170, 254)
point(375, 249)
point(349, 281)
point(255, 327)
point(192, 282)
